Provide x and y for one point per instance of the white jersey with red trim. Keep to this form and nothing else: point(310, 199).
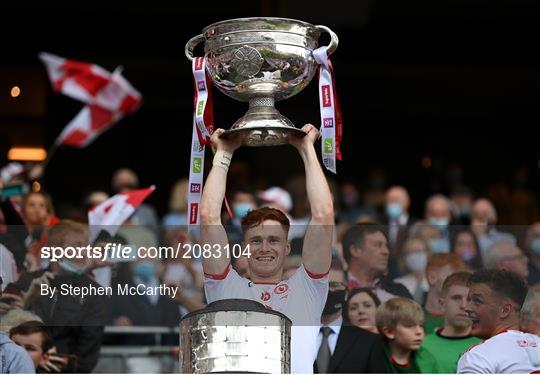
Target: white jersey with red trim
point(301, 298)
point(510, 352)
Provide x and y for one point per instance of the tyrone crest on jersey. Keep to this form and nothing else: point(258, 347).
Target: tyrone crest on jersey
point(265, 296)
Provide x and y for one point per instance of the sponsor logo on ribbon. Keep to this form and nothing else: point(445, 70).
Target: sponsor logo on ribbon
point(201, 86)
point(197, 165)
point(198, 63)
point(328, 122)
point(195, 188)
point(200, 107)
point(193, 213)
point(328, 146)
point(327, 102)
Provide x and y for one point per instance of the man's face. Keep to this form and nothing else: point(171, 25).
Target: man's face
point(32, 343)
point(454, 305)
point(516, 262)
point(35, 209)
point(408, 337)
point(483, 309)
point(438, 209)
point(397, 196)
point(374, 253)
point(268, 247)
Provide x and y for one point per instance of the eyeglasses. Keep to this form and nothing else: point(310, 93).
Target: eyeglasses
point(337, 285)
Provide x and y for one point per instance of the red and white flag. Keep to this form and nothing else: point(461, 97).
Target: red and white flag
point(108, 97)
point(112, 213)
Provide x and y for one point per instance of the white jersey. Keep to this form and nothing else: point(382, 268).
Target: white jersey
point(509, 352)
point(301, 298)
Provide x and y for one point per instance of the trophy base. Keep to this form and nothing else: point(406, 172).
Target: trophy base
point(263, 125)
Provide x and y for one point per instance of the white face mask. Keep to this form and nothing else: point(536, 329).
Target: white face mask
point(416, 262)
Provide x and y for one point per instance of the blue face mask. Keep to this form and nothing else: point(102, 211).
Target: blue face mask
point(145, 270)
point(71, 268)
point(535, 246)
point(438, 246)
point(241, 209)
point(440, 223)
point(393, 210)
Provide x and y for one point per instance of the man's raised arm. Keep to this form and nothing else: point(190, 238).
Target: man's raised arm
point(212, 230)
point(317, 250)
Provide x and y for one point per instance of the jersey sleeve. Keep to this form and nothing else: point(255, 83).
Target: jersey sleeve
point(314, 290)
point(224, 286)
point(473, 362)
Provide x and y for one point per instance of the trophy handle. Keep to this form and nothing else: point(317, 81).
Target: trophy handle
point(191, 44)
point(334, 40)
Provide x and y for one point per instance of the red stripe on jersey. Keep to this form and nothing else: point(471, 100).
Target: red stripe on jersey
point(316, 276)
point(219, 276)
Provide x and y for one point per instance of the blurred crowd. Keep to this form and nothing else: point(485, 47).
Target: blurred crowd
point(410, 257)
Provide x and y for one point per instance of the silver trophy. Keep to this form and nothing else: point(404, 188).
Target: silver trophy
point(261, 61)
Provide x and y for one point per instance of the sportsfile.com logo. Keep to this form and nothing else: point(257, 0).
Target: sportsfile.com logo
point(326, 96)
point(328, 122)
point(197, 165)
point(195, 188)
point(201, 86)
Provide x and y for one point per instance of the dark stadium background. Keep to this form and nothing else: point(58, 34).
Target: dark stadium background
point(452, 83)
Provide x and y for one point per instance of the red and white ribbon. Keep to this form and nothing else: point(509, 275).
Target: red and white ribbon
point(203, 127)
point(331, 120)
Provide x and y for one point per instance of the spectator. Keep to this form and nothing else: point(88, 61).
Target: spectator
point(439, 215)
point(483, 221)
point(177, 215)
point(242, 203)
point(400, 322)
point(494, 303)
point(95, 198)
point(76, 324)
point(350, 202)
point(432, 235)
point(465, 246)
point(35, 339)
point(398, 220)
point(460, 204)
point(126, 179)
point(13, 358)
point(530, 313)
point(453, 338)
point(361, 308)
point(532, 244)
point(8, 267)
point(397, 203)
point(439, 267)
point(504, 255)
point(344, 348)
point(413, 259)
point(150, 309)
point(365, 250)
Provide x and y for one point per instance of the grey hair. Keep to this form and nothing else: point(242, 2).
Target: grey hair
point(531, 307)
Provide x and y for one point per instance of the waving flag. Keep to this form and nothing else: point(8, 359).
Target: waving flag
point(108, 97)
point(112, 213)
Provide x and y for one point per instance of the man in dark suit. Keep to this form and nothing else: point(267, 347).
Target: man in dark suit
point(365, 249)
point(344, 348)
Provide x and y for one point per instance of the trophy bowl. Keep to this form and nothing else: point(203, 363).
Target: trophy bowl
point(261, 61)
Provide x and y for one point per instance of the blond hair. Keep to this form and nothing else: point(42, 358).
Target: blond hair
point(59, 234)
point(399, 310)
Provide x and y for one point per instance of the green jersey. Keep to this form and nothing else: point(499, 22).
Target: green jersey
point(447, 350)
point(432, 322)
point(421, 361)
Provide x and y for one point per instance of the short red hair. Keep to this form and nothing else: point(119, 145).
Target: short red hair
point(256, 217)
